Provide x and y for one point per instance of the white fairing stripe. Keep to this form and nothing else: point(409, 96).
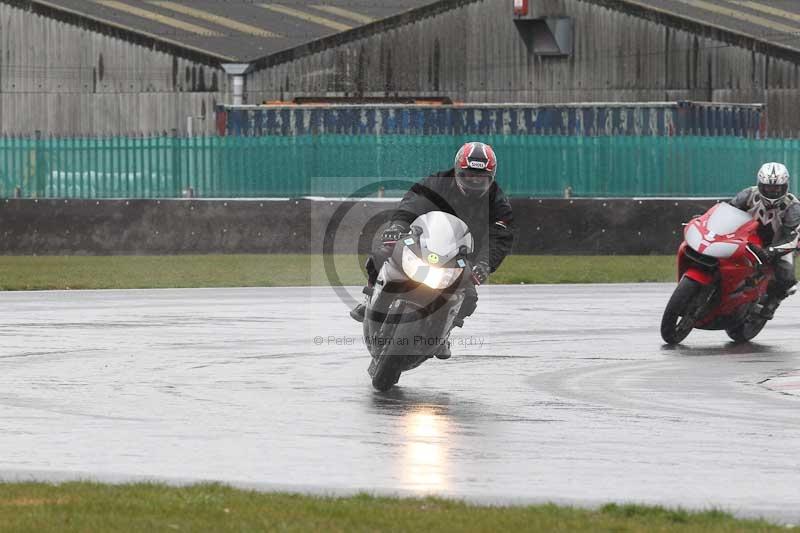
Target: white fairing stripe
point(693, 237)
point(721, 249)
point(758, 259)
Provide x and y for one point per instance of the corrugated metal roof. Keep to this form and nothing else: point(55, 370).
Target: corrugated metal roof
point(233, 30)
point(248, 30)
point(775, 22)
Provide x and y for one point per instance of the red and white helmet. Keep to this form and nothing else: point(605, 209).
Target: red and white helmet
point(773, 183)
point(475, 167)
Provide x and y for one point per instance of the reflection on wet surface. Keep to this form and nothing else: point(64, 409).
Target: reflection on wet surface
point(544, 403)
point(424, 467)
point(424, 434)
point(726, 348)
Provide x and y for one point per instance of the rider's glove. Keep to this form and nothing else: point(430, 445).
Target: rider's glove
point(392, 233)
point(480, 272)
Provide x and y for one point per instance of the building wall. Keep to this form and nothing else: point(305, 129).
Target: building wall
point(63, 79)
point(475, 53)
point(67, 79)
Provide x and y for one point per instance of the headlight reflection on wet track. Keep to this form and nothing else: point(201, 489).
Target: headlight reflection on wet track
point(424, 465)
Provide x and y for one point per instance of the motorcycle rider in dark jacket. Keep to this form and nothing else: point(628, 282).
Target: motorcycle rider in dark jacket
point(778, 211)
point(470, 192)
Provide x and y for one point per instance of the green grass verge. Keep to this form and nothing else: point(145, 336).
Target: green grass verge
point(585, 269)
point(149, 507)
point(127, 272)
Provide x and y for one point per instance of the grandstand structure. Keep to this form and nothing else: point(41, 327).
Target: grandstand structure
point(111, 67)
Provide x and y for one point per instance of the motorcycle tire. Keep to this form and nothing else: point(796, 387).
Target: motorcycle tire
point(747, 330)
point(675, 326)
point(387, 366)
point(387, 374)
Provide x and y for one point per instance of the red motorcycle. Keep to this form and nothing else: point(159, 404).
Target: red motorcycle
point(723, 275)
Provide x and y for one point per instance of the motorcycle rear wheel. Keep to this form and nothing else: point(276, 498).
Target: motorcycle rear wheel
point(747, 330)
point(675, 325)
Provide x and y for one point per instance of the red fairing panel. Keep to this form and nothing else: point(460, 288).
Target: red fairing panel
point(699, 276)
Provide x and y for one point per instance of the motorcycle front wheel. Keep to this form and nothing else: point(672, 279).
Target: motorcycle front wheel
point(387, 366)
point(675, 324)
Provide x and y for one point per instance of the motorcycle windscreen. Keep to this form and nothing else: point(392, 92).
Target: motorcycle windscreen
point(442, 234)
point(726, 219)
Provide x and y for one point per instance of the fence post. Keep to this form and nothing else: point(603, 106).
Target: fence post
point(39, 165)
point(177, 186)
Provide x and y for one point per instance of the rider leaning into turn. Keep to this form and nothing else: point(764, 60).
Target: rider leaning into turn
point(778, 211)
point(470, 192)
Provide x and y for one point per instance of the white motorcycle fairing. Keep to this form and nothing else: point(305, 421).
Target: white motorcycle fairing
point(723, 222)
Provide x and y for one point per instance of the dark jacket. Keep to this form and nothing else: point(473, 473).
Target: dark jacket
point(489, 217)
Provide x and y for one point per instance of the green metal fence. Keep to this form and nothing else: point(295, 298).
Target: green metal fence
point(336, 165)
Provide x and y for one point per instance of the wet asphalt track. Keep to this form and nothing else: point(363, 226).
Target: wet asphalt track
point(560, 393)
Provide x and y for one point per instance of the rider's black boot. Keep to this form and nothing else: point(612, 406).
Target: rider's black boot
point(774, 298)
point(444, 351)
point(358, 312)
point(768, 309)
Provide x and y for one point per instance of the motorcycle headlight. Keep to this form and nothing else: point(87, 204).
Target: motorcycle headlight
point(420, 271)
point(440, 278)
